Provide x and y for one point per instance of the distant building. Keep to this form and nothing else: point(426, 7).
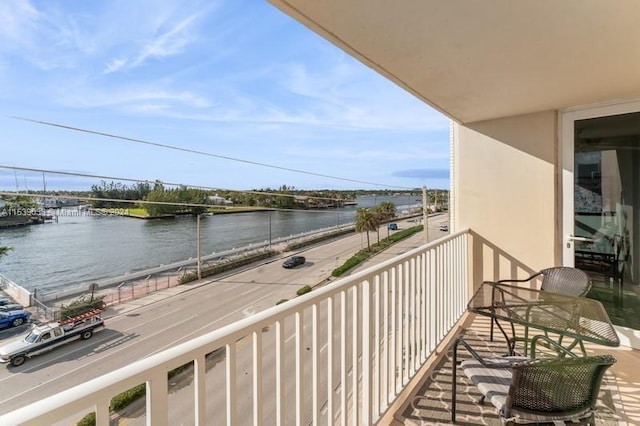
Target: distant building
point(219, 201)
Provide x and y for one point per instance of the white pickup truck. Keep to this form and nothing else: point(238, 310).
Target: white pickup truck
point(44, 338)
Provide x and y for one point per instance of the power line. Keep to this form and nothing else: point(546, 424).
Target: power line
point(124, 179)
point(194, 151)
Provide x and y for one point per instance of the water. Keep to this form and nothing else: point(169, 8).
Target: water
point(80, 248)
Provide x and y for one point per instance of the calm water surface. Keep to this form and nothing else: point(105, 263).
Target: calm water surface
point(80, 248)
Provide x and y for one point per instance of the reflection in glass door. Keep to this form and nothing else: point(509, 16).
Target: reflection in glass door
point(607, 211)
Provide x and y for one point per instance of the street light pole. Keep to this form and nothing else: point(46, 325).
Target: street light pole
point(425, 213)
point(270, 211)
point(198, 244)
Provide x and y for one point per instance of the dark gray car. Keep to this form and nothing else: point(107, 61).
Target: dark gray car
point(293, 261)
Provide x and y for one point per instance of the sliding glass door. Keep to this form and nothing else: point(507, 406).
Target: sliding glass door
point(601, 207)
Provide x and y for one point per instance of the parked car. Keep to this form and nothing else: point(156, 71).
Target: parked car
point(14, 318)
point(293, 261)
point(11, 307)
point(393, 226)
point(8, 305)
point(444, 227)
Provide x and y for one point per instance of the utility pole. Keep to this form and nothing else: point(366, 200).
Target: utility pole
point(270, 211)
point(198, 244)
point(425, 213)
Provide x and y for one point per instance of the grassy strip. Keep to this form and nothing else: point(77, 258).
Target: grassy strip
point(365, 254)
point(310, 241)
point(223, 267)
point(239, 209)
point(138, 212)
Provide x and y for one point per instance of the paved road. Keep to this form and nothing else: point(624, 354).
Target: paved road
point(181, 400)
point(144, 327)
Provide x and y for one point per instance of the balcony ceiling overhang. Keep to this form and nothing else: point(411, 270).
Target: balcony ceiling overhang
point(478, 60)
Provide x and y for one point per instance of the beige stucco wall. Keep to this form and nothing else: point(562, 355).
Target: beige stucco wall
point(505, 186)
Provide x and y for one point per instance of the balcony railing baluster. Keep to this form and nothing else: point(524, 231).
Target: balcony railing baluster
point(381, 325)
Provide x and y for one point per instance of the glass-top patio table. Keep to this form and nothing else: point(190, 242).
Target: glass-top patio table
point(578, 318)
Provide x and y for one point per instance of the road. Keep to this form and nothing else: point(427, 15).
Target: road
point(151, 327)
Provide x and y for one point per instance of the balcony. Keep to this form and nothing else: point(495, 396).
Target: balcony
point(368, 348)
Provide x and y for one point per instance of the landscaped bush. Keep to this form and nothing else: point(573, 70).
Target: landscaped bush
point(125, 398)
point(80, 306)
point(281, 301)
point(300, 244)
point(223, 267)
point(88, 420)
point(303, 290)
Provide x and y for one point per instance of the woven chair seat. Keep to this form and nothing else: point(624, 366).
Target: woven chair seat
point(492, 382)
point(523, 390)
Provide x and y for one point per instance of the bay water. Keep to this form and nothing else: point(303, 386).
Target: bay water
point(82, 247)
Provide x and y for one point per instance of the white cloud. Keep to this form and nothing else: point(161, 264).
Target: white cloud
point(17, 21)
point(172, 42)
point(115, 65)
point(350, 95)
point(133, 96)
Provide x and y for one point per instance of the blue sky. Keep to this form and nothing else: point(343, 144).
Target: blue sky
point(234, 78)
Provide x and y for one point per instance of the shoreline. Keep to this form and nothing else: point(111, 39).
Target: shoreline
point(124, 212)
point(139, 287)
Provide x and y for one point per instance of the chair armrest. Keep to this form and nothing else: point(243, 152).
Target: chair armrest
point(486, 362)
point(524, 280)
point(552, 344)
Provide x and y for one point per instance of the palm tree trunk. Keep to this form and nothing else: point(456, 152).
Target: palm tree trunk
point(368, 244)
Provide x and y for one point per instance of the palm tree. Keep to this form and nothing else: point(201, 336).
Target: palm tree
point(366, 221)
point(4, 250)
point(386, 211)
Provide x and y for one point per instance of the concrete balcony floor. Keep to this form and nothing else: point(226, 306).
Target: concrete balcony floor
point(618, 404)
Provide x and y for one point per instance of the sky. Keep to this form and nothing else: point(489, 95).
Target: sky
point(229, 78)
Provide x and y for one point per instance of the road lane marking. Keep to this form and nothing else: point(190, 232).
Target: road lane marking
point(172, 344)
point(83, 366)
point(123, 317)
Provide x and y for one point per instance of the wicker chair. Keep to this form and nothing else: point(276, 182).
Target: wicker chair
point(561, 279)
point(536, 390)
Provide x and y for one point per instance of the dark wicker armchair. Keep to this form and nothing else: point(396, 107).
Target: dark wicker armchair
point(536, 390)
point(561, 279)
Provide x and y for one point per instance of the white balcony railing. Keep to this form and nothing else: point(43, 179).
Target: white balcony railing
point(340, 354)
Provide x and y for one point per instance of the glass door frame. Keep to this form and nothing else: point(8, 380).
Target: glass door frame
point(566, 144)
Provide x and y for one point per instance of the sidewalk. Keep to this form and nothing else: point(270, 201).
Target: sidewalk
point(150, 298)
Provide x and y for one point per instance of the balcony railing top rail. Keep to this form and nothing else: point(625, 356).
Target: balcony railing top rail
point(368, 335)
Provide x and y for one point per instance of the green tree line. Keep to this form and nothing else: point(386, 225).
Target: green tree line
point(170, 200)
point(106, 195)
